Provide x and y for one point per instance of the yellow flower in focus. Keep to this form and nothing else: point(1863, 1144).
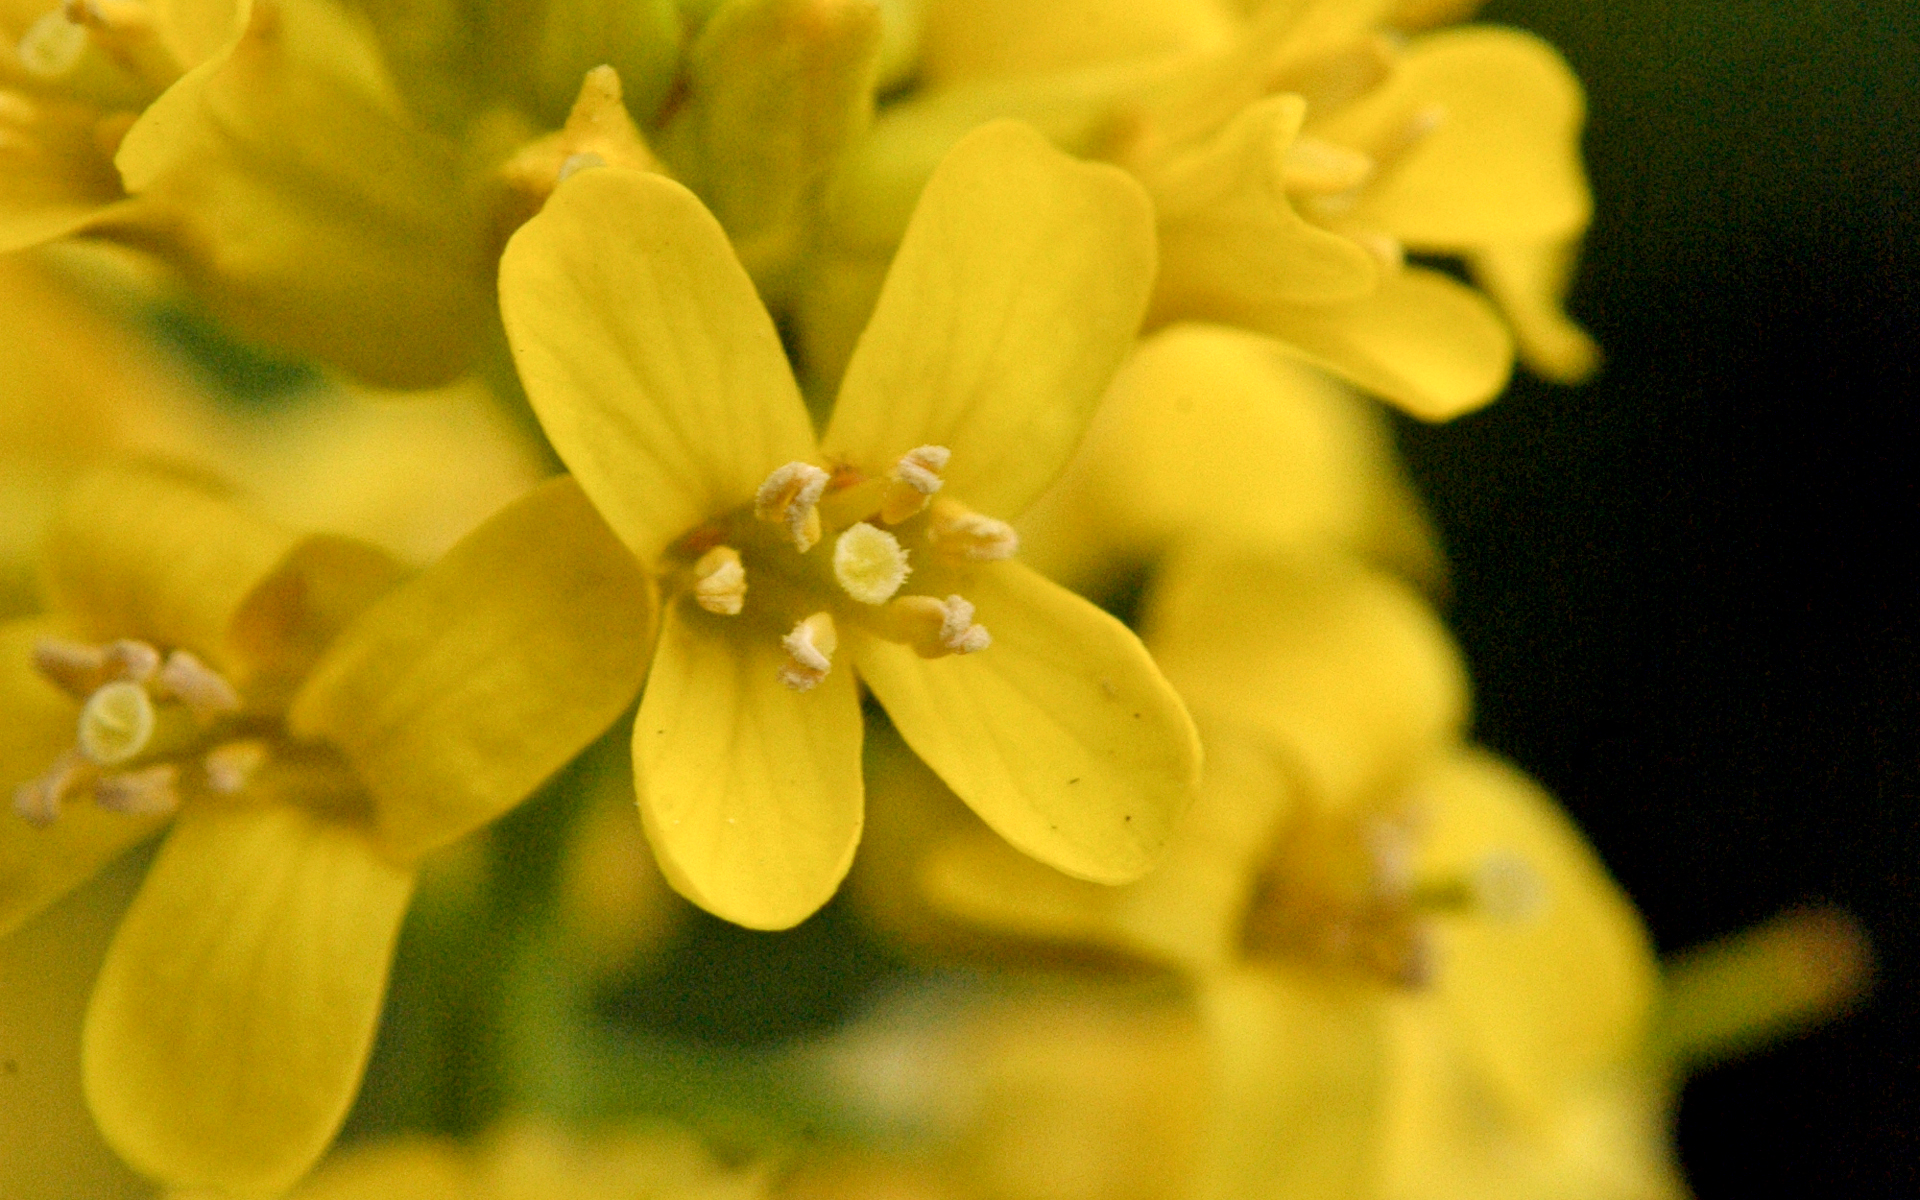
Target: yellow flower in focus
point(1402, 952)
point(526, 1160)
point(1295, 156)
point(311, 728)
point(662, 384)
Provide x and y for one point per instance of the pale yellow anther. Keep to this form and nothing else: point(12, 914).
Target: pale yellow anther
point(573, 164)
point(38, 803)
point(720, 581)
point(79, 669)
point(869, 563)
point(958, 532)
point(936, 628)
point(116, 724)
point(1322, 168)
point(149, 791)
point(230, 765)
point(916, 477)
point(1507, 888)
point(205, 692)
point(52, 46)
point(809, 650)
point(790, 496)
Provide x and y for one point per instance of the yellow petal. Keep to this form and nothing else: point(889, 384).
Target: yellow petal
point(1548, 997)
point(55, 176)
point(1529, 283)
point(196, 30)
point(1432, 347)
point(1299, 1086)
point(1187, 912)
point(651, 362)
point(1504, 162)
point(1062, 734)
point(285, 181)
point(294, 613)
point(39, 865)
point(148, 555)
point(1215, 429)
point(1346, 667)
point(967, 39)
point(1229, 237)
point(457, 694)
point(1014, 296)
point(750, 792)
point(233, 1016)
point(774, 91)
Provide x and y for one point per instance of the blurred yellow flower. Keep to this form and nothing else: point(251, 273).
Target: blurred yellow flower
point(311, 726)
point(1398, 944)
point(1294, 156)
point(528, 1160)
point(661, 382)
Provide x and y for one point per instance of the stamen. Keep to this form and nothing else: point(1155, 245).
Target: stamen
point(205, 692)
point(788, 497)
point(720, 581)
point(52, 45)
point(116, 724)
point(935, 628)
point(150, 791)
point(573, 164)
point(916, 477)
point(80, 670)
point(869, 563)
point(231, 765)
point(809, 650)
point(959, 532)
point(1321, 168)
point(39, 802)
point(1507, 888)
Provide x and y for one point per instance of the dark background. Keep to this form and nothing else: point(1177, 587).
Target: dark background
point(1688, 589)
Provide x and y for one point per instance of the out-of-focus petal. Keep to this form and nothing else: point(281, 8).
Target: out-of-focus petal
point(1529, 283)
point(1015, 295)
point(232, 1018)
point(460, 691)
point(1062, 734)
point(751, 793)
point(1346, 667)
point(654, 367)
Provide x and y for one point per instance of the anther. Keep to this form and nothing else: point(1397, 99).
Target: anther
point(1506, 888)
point(205, 692)
point(80, 670)
point(809, 650)
point(52, 45)
point(869, 563)
point(720, 581)
point(230, 765)
point(125, 30)
point(789, 497)
point(39, 802)
point(916, 477)
point(116, 724)
point(935, 628)
point(573, 164)
point(149, 791)
point(959, 532)
point(1321, 168)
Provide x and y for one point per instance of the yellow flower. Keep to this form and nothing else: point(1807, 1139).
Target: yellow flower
point(1382, 925)
point(661, 382)
point(311, 729)
point(1293, 158)
point(527, 1160)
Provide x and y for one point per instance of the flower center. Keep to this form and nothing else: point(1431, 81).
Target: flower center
point(819, 549)
point(153, 728)
point(1343, 892)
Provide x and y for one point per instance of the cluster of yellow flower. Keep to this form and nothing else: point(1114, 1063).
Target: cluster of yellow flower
point(878, 339)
